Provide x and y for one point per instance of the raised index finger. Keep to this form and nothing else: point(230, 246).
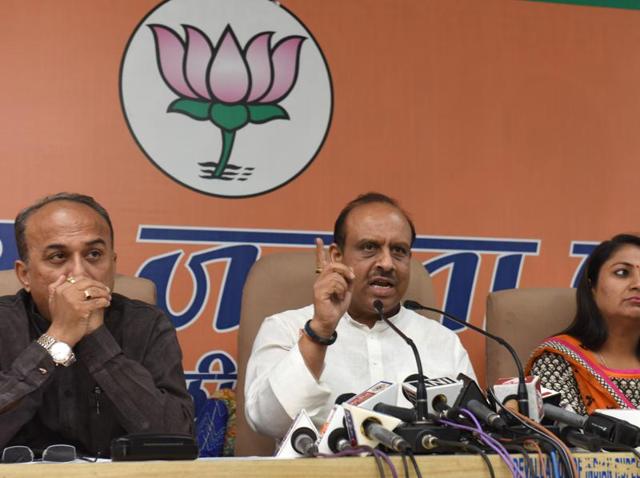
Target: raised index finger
point(321, 255)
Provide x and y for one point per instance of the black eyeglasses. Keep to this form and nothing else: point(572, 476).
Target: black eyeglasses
point(52, 454)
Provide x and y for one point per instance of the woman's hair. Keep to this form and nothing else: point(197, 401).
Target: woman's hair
point(589, 326)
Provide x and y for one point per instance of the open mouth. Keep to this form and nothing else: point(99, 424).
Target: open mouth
point(382, 284)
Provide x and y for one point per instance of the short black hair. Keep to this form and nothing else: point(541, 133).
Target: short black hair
point(589, 326)
point(20, 223)
point(339, 229)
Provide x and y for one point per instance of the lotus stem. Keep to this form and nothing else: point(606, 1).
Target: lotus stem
point(227, 144)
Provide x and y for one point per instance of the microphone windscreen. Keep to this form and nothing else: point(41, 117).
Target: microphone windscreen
point(377, 304)
point(412, 305)
point(343, 397)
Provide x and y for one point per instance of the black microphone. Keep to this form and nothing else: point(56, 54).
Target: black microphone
point(343, 397)
point(472, 399)
point(407, 415)
point(421, 390)
point(609, 428)
point(574, 437)
point(522, 398)
point(303, 441)
point(487, 415)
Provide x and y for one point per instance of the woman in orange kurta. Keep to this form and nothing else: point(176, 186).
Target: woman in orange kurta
point(595, 362)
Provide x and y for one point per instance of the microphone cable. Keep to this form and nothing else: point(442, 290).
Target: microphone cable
point(554, 463)
point(405, 467)
point(528, 463)
point(550, 438)
point(488, 440)
point(416, 468)
point(542, 434)
point(472, 448)
point(387, 460)
point(405, 457)
point(534, 445)
point(621, 447)
point(378, 455)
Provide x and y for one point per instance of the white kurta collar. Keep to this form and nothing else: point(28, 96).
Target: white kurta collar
point(380, 326)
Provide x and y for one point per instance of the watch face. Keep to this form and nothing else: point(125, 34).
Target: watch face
point(60, 352)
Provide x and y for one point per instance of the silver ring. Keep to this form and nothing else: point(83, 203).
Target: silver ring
point(87, 295)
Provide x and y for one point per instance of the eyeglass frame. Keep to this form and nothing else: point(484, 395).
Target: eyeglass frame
point(46, 454)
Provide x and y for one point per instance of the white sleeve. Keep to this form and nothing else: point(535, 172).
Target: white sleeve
point(463, 362)
point(278, 383)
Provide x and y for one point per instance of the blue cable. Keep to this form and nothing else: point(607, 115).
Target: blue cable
point(555, 464)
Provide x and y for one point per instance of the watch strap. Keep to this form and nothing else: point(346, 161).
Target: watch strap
point(46, 341)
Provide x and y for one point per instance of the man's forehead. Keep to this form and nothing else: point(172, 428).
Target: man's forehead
point(378, 219)
point(66, 218)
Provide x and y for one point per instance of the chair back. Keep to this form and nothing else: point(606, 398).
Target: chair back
point(129, 286)
point(524, 318)
point(279, 282)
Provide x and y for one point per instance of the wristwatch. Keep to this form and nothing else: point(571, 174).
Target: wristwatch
point(60, 352)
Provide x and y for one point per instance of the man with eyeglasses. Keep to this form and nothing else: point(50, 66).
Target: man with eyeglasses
point(79, 364)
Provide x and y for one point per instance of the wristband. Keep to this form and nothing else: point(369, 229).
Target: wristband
point(316, 338)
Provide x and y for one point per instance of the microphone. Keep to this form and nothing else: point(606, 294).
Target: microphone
point(334, 437)
point(421, 393)
point(300, 439)
point(374, 431)
point(372, 428)
point(440, 392)
point(574, 437)
point(343, 397)
point(407, 415)
point(338, 440)
point(303, 441)
point(333, 433)
point(472, 399)
point(382, 391)
point(561, 415)
point(611, 429)
point(522, 398)
point(487, 415)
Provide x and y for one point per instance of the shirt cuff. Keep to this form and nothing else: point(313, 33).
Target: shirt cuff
point(34, 365)
point(97, 348)
point(296, 387)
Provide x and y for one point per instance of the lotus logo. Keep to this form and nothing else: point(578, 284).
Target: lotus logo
point(205, 61)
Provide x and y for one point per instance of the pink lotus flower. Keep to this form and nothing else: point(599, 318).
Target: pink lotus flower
point(224, 84)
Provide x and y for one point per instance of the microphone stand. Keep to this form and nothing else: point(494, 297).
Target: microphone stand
point(418, 432)
point(522, 398)
point(421, 389)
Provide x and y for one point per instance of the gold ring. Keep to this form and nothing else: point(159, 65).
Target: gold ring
point(71, 280)
point(87, 296)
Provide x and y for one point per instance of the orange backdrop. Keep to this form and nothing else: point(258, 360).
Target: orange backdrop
point(486, 119)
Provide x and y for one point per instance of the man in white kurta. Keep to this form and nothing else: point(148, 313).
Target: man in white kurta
point(306, 358)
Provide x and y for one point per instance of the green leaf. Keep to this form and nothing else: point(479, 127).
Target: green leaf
point(196, 109)
point(229, 117)
point(263, 113)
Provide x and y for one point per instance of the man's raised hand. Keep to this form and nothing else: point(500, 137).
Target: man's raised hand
point(331, 292)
